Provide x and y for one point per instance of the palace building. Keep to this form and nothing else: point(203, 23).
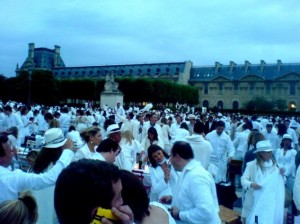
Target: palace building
point(224, 86)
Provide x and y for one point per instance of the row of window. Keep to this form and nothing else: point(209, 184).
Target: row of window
point(122, 72)
point(292, 89)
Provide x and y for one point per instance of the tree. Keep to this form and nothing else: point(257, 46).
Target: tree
point(259, 103)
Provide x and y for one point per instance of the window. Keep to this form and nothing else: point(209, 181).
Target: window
point(292, 88)
point(235, 105)
point(205, 88)
point(205, 103)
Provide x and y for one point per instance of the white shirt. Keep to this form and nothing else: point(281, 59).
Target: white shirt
point(13, 182)
point(222, 149)
point(202, 149)
point(85, 153)
point(196, 196)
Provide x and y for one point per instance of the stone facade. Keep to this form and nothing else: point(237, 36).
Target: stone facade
point(224, 86)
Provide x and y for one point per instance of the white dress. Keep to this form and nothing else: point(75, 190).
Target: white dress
point(159, 187)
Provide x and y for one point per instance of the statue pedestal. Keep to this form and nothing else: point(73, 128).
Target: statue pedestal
point(111, 98)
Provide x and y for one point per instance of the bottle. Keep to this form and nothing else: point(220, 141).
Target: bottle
point(140, 164)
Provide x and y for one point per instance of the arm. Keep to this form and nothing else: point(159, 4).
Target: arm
point(157, 180)
point(296, 190)
point(26, 181)
point(289, 167)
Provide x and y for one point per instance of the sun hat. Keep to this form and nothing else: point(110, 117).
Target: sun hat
point(54, 138)
point(287, 136)
point(192, 116)
point(263, 146)
point(113, 129)
point(294, 124)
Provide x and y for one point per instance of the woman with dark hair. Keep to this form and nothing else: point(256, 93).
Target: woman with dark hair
point(285, 158)
point(143, 211)
point(281, 130)
point(55, 143)
point(151, 139)
point(74, 135)
point(92, 138)
point(163, 176)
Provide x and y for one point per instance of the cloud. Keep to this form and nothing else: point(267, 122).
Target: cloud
point(137, 31)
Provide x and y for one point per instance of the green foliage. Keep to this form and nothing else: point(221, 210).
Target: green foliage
point(259, 103)
point(45, 89)
point(280, 104)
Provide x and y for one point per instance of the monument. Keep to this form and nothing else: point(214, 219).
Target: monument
point(111, 94)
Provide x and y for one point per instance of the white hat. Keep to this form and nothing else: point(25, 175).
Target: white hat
point(287, 136)
point(54, 138)
point(219, 114)
point(263, 146)
point(192, 116)
point(293, 124)
point(113, 129)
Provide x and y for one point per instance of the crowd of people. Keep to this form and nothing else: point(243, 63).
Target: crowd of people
point(86, 158)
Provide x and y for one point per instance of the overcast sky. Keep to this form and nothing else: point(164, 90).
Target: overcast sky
point(99, 32)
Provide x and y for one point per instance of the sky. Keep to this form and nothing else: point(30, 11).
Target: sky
point(112, 32)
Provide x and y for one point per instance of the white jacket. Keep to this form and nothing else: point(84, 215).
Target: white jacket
point(196, 196)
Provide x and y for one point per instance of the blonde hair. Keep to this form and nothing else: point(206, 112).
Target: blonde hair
point(22, 211)
point(128, 136)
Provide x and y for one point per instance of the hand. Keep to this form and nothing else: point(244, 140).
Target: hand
point(124, 213)
point(175, 213)
point(229, 160)
point(166, 199)
point(281, 171)
point(255, 186)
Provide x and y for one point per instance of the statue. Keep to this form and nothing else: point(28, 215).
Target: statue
point(110, 84)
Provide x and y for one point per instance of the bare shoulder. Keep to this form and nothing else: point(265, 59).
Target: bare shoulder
point(157, 215)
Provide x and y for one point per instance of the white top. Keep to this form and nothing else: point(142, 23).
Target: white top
point(13, 182)
point(286, 161)
point(196, 196)
point(159, 187)
point(85, 153)
point(202, 149)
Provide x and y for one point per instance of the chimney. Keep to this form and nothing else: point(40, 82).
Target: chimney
point(262, 66)
point(278, 65)
point(217, 66)
point(31, 51)
point(232, 66)
point(56, 56)
point(247, 65)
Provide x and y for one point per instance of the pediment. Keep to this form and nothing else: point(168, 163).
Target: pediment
point(220, 79)
point(251, 78)
point(289, 77)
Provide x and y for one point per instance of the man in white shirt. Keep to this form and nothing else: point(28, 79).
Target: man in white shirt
point(202, 148)
point(270, 134)
point(195, 200)
point(11, 119)
point(153, 123)
point(119, 110)
point(13, 182)
point(175, 126)
point(292, 133)
point(65, 120)
point(223, 150)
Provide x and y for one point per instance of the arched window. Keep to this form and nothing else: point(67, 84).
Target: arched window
point(205, 104)
point(235, 105)
point(220, 104)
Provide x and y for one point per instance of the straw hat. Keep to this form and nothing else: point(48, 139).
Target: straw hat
point(263, 146)
point(113, 129)
point(287, 136)
point(54, 138)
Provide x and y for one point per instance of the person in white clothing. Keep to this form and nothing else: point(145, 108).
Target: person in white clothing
point(13, 182)
point(152, 123)
point(163, 176)
point(270, 134)
point(202, 148)
point(223, 150)
point(285, 158)
point(195, 200)
point(240, 142)
point(108, 150)
point(296, 190)
point(131, 147)
point(55, 142)
point(258, 180)
point(92, 138)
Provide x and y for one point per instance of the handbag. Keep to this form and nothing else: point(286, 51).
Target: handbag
point(226, 192)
